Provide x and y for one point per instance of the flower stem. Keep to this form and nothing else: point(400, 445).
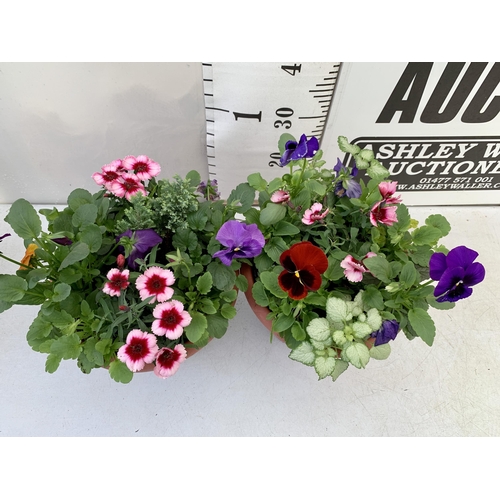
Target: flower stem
point(15, 261)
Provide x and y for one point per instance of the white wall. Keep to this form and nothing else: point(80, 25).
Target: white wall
point(60, 122)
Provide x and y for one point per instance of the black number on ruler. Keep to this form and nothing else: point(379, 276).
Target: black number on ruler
point(291, 70)
point(283, 113)
point(257, 116)
point(277, 156)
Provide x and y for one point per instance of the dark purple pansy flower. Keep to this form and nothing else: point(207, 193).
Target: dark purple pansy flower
point(456, 273)
point(139, 244)
point(388, 331)
point(242, 241)
point(63, 241)
point(345, 183)
point(297, 150)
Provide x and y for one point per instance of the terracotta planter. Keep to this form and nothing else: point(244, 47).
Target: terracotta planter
point(259, 311)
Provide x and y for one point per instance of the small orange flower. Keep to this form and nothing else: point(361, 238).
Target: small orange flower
point(30, 251)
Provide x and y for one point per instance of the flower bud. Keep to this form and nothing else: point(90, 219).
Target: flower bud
point(120, 261)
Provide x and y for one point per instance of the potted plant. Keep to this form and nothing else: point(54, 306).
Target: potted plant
point(345, 267)
point(125, 278)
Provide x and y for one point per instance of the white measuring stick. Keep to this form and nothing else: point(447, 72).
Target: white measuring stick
point(248, 107)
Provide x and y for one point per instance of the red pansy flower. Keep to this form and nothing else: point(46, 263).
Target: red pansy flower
point(304, 263)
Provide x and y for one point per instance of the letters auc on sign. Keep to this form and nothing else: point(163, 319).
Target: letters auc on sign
point(414, 80)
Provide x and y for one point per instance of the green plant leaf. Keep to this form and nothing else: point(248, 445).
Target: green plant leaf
point(298, 332)
point(373, 298)
point(119, 372)
point(259, 294)
point(241, 283)
point(257, 182)
point(228, 311)
point(217, 325)
point(78, 252)
point(195, 330)
point(272, 213)
point(283, 228)
point(79, 197)
point(282, 323)
point(243, 195)
point(324, 366)
point(24, 220)
point(408, 274)
point(340, 367)
point(426, 235)
point(61, 291)
point(275, 247)
point(438, 221)
point(422, 324)
point(223, 277)
point(84, 215)
point(36, 275)
point(358, 354)
point(380, 352)
point(270, 281)
point(346, 147)
point(12, 288)
point(67, 346)
point(303, 353)
point(92, 236)
point(379, 267)
point(204, 283)
point(52, 363)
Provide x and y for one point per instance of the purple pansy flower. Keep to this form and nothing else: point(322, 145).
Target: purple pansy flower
point(209, 190)
point(388, 331)
point(297, 150)
point(345, 183)
point(139, 244)
point(63, 241)
point(456, 273)
point(242, 241)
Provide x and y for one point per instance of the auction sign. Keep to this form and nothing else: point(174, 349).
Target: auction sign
point(434, 126)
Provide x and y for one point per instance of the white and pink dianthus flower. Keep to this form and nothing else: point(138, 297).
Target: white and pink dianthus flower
point(313, 214)
point(155, 283)
point(170, 319)
point(118, 281)
point(109, 173)
point(126, 186)
point(140, 348)
point(169, 360)
point(142, 166)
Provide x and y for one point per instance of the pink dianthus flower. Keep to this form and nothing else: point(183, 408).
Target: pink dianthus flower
point(169, 360)
point(155, 283)
point(142, 166)
point(170, 319)
point(139, 349)
point(118, 281)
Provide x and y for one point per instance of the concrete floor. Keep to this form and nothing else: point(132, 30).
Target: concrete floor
point(242, 385)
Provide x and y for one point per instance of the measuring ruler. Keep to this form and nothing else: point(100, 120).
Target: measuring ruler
point(249, 105)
